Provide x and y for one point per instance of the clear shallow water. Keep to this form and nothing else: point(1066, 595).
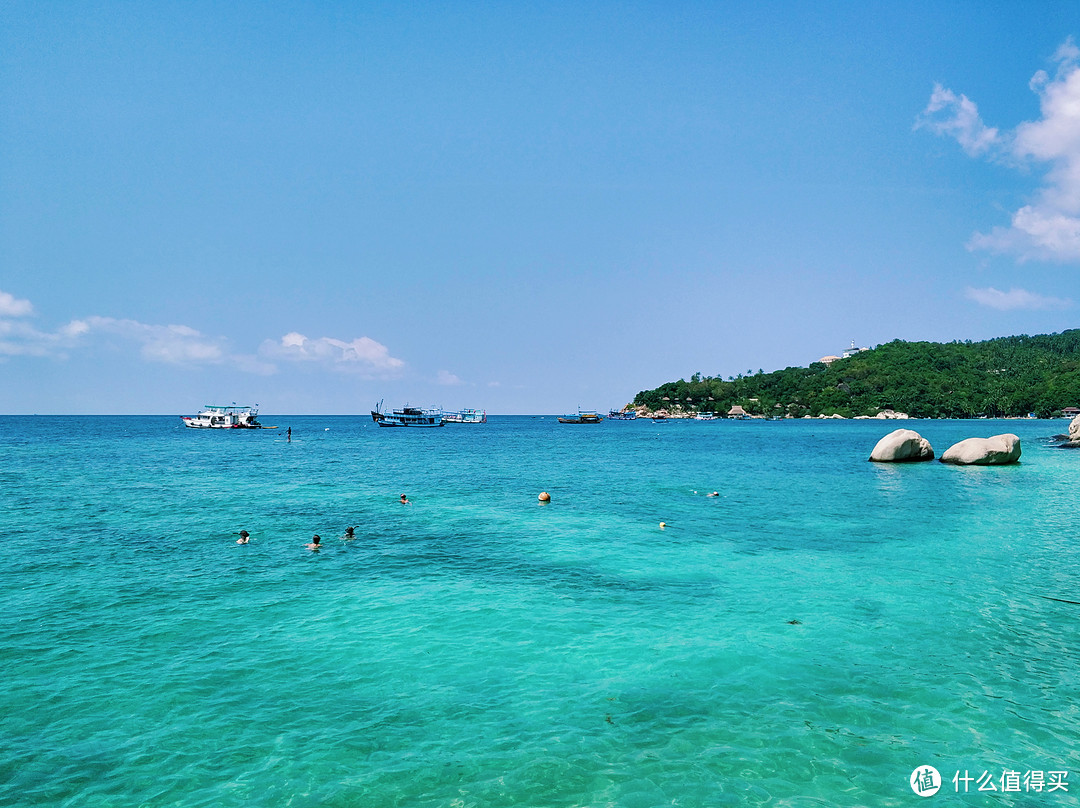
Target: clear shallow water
point(479, 649)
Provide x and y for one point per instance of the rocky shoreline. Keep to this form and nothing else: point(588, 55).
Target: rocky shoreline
point(883, 415)
point(677, 413)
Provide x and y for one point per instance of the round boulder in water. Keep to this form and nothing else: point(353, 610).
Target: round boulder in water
point(999, 450)
point(902, 446)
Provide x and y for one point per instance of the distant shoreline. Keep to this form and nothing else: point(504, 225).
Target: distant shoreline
point(647, 416)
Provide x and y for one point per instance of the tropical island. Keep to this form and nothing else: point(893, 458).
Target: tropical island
point(1007, 377)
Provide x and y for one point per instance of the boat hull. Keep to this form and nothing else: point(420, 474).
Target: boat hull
point(581, 418)
point(408, 417)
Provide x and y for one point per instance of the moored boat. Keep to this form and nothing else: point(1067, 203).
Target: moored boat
point(622, 415)
point(582, 417)
point(465, 417)
point(408, 416)
point(705, 416)
point(231, 417)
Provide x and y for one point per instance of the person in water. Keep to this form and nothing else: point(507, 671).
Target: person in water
point(350, 533)
point(405, 500)
point(245, 537)
point(314, 543)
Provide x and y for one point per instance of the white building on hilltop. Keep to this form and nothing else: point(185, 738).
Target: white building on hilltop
point(852, 350)
point(828, 360)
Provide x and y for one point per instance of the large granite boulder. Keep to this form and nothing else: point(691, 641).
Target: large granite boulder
point(902, 446)
point(1074, 430)
point(999, 450)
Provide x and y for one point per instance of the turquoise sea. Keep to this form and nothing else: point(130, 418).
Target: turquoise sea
point(813, 635)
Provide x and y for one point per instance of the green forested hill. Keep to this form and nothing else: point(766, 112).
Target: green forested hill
point(1008, 376)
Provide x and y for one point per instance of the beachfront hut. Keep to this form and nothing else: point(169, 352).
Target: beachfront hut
point(737, 412)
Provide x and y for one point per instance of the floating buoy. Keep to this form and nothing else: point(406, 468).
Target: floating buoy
point(544, 496)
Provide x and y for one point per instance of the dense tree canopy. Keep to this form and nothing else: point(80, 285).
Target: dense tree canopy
point(1008, 376)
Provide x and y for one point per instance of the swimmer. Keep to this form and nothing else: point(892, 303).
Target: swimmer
point(405, 500)
point(350, 533)
point(245, 537)
point(714, 494)
point(314, 543)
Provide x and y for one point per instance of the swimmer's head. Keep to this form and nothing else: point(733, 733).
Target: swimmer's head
point(243, 534)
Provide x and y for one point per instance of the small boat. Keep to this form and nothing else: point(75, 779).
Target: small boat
point(660, 419)
point(465, 417)
point(705, 416)
point(622, 415)
point(408, 416)
point(582, 417)
point(231, 417)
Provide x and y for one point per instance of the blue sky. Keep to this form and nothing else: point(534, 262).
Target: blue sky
point(519, 207)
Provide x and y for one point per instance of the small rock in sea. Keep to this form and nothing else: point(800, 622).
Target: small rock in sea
point(999, 450)
point(902, 446)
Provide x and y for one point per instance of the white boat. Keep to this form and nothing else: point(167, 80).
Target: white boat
point(705, 416)
point(231, 417)
point(408, 416)
point(465, 417)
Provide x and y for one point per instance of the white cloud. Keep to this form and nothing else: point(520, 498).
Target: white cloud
point(1014, 299)
point(363, 354)
point(957, 116)
point(1036, 232)
point(11, 306)
point(20, 339)
point(172, 344)
point(1048, 227)
point(447, 378)
point(183, 345)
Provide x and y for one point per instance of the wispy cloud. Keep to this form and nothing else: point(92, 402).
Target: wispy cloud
point(361, 355)
point(172, 344)
point(447, 378)
point(1048, 228)
point(10, 306)
point(1014, 299)
point(181, 344)
point(18, 338)
point(957, 116)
